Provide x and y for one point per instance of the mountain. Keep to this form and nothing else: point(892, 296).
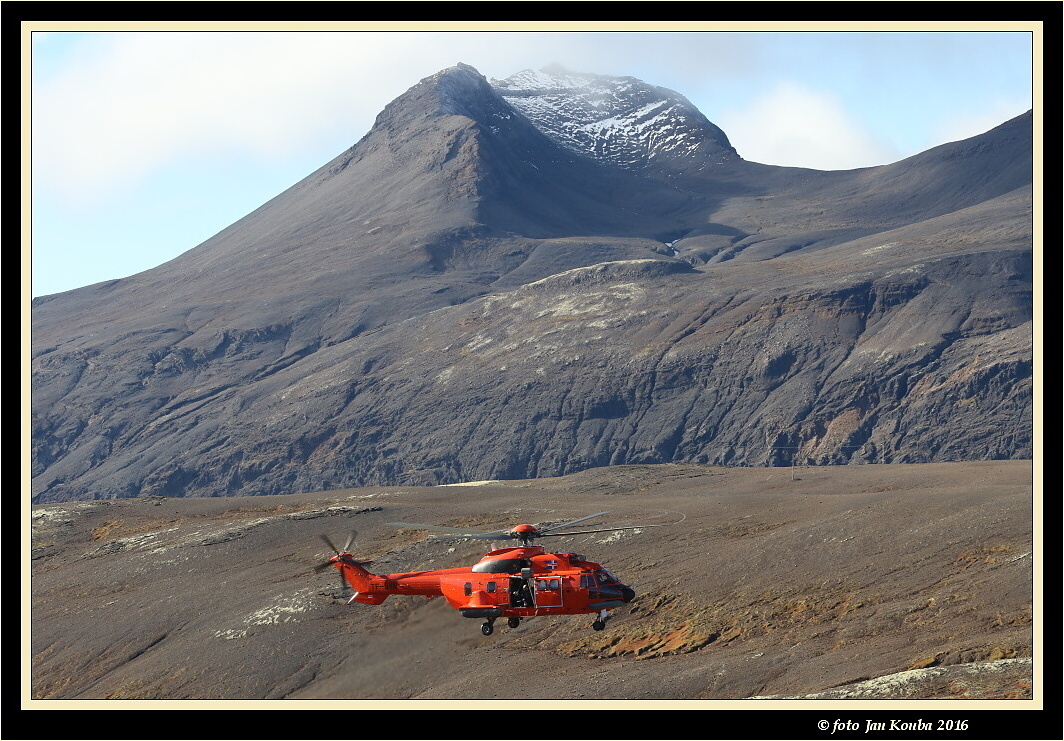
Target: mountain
point(540, 275)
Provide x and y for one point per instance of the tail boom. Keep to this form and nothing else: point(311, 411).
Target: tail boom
point(373, 589)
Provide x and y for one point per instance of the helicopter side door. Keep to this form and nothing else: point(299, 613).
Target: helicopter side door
point(548, 591)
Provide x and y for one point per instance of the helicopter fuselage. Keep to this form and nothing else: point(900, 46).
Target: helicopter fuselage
point(519, 582)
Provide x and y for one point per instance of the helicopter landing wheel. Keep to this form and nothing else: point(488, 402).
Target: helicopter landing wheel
point(514, 622)
point(599, 625)
point(487, 628)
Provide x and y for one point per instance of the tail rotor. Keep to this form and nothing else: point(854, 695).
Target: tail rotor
point(339, 551)
point(343, 556)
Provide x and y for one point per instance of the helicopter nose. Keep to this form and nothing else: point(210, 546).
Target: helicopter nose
point(627, 593)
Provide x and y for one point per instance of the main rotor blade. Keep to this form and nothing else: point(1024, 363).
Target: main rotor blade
point(603, 530)
point(572, 522)
point(463, 532)
point(330, 543)
point(350, 540)
point(609, 529)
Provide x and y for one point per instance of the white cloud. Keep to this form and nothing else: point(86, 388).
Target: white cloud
point(147, 100)
point(795, 126)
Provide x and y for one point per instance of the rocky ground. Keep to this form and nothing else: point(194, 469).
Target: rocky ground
point(897, 582)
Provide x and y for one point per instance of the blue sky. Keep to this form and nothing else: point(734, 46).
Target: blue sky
point(145, 144)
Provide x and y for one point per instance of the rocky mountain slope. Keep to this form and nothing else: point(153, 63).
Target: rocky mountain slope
point(528, 278)
point(862, 582)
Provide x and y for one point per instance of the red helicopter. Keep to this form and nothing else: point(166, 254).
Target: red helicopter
point(519, 582)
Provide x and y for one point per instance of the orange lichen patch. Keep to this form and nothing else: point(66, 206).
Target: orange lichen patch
point(107, 531)
point(986, 689)
point(669, 626)
point(997, 553)
point(958, 690)
point(113, 529)
point(691, 628)
point(849, 603)
point(1019, 690)
point(927, 661)
point(997, 653)
point(680, 640)
point(1023, 617)
point(975, 685)
point(772, 611)
point(641, 642)
point(988, 556)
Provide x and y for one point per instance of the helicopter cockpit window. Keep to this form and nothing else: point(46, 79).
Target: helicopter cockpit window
point(604, 577)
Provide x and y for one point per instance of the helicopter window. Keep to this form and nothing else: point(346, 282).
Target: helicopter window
point(605, 577)
point(492, 586)
point(467, 588)
point(544, 585)
point(501, 566)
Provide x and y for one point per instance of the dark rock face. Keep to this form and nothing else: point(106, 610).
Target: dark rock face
point(470, 293)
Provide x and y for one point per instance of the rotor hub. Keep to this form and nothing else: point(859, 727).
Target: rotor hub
point(525, 533)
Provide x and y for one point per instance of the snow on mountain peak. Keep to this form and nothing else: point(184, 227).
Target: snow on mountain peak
point(620, 120)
